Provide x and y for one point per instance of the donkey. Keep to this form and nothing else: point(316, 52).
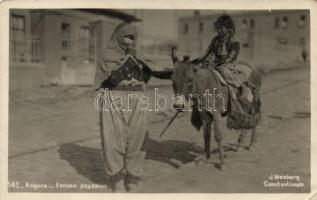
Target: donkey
point(192, 82)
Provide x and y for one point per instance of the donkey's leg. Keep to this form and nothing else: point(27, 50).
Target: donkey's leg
point(219, 139)
point(207, 135)
point(253, 139)
point(241, 140)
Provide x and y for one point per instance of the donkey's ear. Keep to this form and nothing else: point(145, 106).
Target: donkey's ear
point(186, 58)
point(174, 55)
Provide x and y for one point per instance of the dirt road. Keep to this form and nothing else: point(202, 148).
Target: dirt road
point(54, 143)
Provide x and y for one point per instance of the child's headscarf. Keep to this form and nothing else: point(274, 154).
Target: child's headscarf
point(226, 21)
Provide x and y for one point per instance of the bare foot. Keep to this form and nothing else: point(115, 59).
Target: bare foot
point(119, 187)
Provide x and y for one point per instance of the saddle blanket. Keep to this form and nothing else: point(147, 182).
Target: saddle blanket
point(242, 114)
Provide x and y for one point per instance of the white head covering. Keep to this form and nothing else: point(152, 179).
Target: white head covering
point(115, 51)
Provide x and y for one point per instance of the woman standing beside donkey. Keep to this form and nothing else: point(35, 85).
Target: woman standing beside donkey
point(122, 125)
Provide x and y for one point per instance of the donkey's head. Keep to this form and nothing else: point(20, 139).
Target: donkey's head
point(182, 77)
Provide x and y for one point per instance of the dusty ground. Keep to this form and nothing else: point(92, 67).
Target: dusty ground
point(54, 140)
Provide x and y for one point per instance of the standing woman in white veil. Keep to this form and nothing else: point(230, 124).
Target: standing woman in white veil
point(122, 125)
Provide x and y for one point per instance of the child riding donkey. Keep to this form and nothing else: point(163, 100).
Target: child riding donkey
point(221, 57)
point(233, 80)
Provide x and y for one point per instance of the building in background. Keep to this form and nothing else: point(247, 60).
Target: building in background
point(266, 38)
point(62, 46)
point(58, 46)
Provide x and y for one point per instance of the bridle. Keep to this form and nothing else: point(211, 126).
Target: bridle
point(184, 88)
point(187, 84)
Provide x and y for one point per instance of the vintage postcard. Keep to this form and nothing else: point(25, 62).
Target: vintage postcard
point(137, 99)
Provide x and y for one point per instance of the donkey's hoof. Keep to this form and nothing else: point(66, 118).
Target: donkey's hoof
point(201, 163)
point(240, 149)
point(252, 147)
point(201, 160)
point(223, 167)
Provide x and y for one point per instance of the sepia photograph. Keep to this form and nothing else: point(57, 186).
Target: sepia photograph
point(105, 100)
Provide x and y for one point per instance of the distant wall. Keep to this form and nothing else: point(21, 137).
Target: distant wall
point(261, 43)
point(26, 75)
point(59, 66)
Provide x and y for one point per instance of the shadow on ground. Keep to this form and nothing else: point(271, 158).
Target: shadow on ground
point(86, 161)
point(171, 152)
